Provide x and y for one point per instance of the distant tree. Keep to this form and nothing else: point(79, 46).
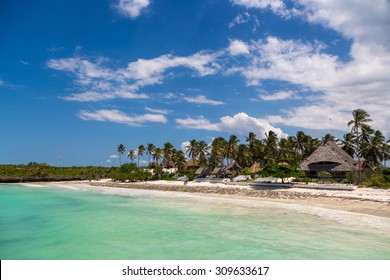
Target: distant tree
point(360, 128)
point(121, 150)
point(157, 154)
point(140, 152)
point(150, 150)
point(131, 155)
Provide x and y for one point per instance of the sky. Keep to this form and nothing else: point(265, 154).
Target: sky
point(78, 78)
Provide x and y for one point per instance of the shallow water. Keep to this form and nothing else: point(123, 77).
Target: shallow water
point(107, 223)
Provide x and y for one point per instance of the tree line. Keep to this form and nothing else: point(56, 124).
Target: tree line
point(364, 143)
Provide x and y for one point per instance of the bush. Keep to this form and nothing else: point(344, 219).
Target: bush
point(306, 180)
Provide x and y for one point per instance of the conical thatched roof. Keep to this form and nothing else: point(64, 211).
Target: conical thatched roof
point(329, 157)
point(193, 163)
point(255, 168)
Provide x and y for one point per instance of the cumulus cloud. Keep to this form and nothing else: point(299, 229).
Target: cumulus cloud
point(201, 99)
point(238, 47)
point(240, 124)
point(131, 8)
point(113, 156)
point(117, 116)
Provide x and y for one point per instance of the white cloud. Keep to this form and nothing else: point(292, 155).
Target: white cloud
point(158, 111)
point(201, 99)
point(24, 62)
point(120, 117)
point(99, 82)
point(276, 6)
point(113, 156)
point(98, 96)
point(240, 124)
point(131, 8)
point(150, 71)
point(238, 47)
point(280, 95)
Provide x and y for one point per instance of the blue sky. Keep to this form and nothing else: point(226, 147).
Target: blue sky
point(80, 77)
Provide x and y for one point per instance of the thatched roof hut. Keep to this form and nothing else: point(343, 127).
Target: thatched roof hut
point(255, 168)
point(154, 164)
point(193, 163)
point(331, 158)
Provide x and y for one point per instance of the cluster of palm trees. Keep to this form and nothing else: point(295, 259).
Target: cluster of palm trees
point(361, 142)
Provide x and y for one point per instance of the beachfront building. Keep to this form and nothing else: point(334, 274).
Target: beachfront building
point(193, 164)
point(231, 170)
point(331, 158)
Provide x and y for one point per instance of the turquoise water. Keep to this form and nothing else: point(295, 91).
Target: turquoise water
point(82, 223)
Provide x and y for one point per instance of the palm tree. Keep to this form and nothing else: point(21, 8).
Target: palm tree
point(232, 147)
point(157, 154)
point(328, 137)
point(218, 151)
point(131, 155)
point(244, 156)
point(121, 150)
point(271, 146)
point(359, 124)
point(202, 150)
point(374, 151)
point(150, 150)
point(167, 152)
point(348, 143)
point(140, 152)
point(180, 159)
point(192, 149)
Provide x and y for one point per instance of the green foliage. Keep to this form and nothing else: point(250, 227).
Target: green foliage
point(281, 171)
point(191, 175)
point(352, 177)
point(306, 180)
point(130, 172)
point(324, 174)
point(246, 171)
point(379, 179)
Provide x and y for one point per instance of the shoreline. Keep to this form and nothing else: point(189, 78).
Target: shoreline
point(366, 201)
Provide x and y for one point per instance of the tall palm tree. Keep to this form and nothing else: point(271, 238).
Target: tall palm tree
point(180, 159)
point(121, 150)
point(218, 151)
point(244, 156)
point(271, 144)
point(167, 152)
point(150, 150)
point(157, 154)
point(140, 152)
point(202, 150)
point(359, 125)
point(131, 155)
point(192, 149)
point(232, 147)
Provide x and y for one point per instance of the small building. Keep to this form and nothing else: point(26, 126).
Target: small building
point(331, 158)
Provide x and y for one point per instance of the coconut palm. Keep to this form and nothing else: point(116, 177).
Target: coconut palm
point(202, 151)
point(374, 150)
point(140, 152)
point(121, 150)
point(360, 129)
point(150, 150)
point(157, 154)
point(180, 159)
point(192, 149)
point(167, 152)
point(348, 143)
point(244, 156)
point(132, 155)
point(218, 151)
point(232, 147)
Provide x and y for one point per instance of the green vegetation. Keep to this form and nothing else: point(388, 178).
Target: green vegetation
point(281, 171)
point(130, 172)
point(44, 172)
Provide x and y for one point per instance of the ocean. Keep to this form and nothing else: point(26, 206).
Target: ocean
point(42, 222)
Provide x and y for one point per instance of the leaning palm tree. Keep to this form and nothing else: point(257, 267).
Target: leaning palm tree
point(131, 155)
point(121, 150)
point(140, 152)
point(359, 127)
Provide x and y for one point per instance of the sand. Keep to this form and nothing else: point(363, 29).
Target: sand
point(361, 200)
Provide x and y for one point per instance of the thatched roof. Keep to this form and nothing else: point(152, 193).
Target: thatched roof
point(154, 164)
point(193, 163)
point(255, 168)
point(329, 157)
